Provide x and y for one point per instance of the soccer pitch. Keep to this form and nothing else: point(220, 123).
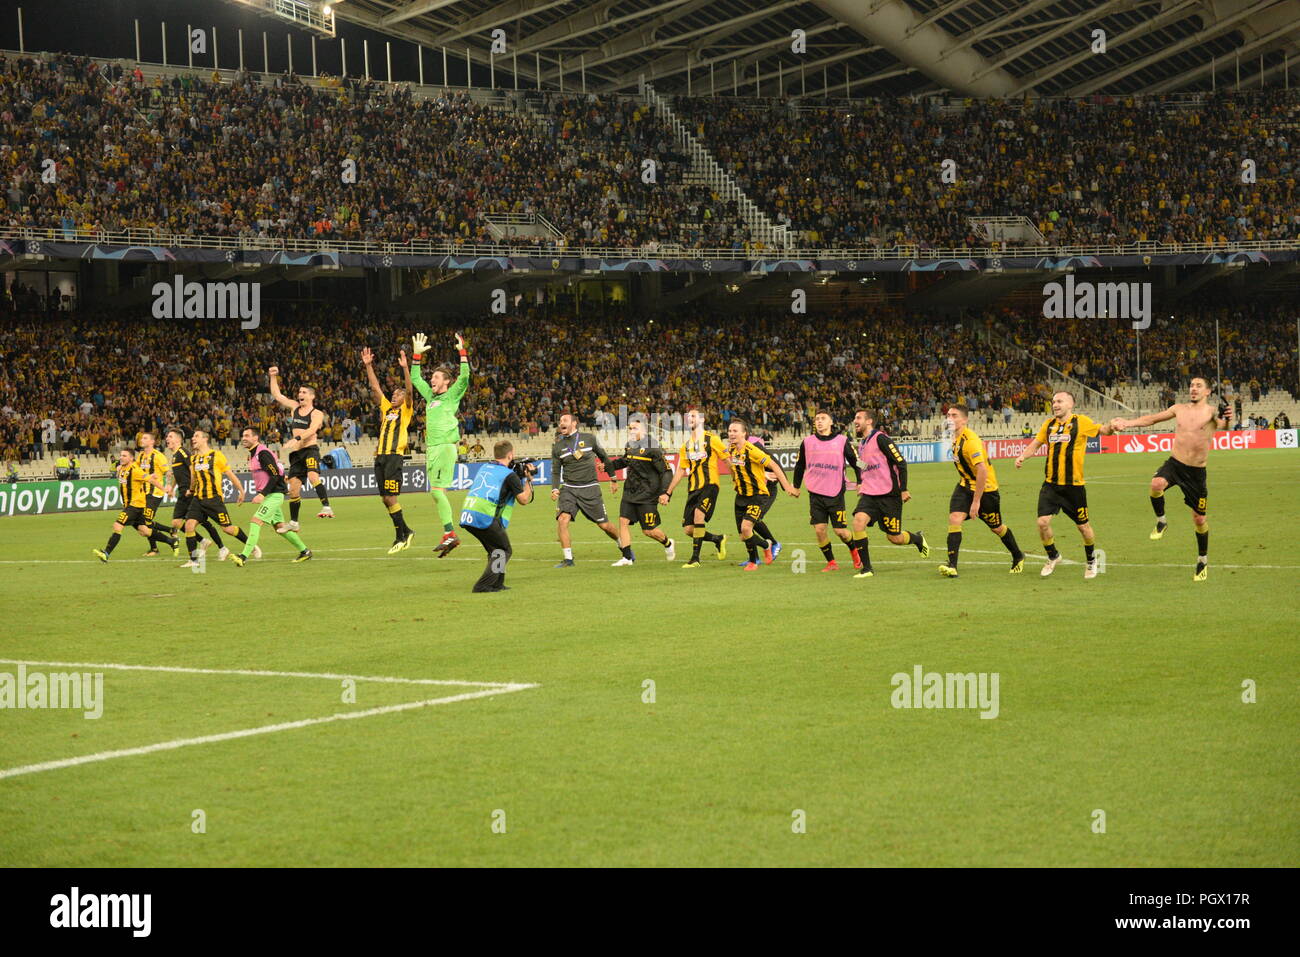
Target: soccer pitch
point(519, 728)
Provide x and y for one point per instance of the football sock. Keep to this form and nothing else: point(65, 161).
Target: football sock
point(1052, 553)
point(212, 533)
point(1009, 540)
point(1089, 544)
point(828, 552)
point(907, 538)
point(112, 542)
point(568, 554)
point(254, 533)
point(954, 544)
point(627, 552)
point(192, 542)
point(696, 542)
point(917, 539)
point(322, 493)
point(444, 508)
point(399, 521)
point(295, 506)
point(295, 540)
point(712, 538)
point(1203, 541)
point(762, 529)
point(240, 535)
point(160, 538)
point(864, 553)
point(1158, 505)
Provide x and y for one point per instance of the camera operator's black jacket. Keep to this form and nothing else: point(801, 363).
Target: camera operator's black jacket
point(648, 473)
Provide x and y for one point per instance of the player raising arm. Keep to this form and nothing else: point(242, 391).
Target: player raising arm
point(304, 452)
point(394, 426)
point(442, 395)
point(1194, 425)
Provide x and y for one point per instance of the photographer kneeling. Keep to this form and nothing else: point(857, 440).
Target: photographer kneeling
point(487, 508)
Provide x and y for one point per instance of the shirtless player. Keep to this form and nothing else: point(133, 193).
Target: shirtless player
point(1196, 422)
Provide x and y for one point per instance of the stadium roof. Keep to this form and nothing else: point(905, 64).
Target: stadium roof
point(864, 47)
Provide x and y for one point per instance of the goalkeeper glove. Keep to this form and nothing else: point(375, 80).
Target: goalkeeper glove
point(419, 345)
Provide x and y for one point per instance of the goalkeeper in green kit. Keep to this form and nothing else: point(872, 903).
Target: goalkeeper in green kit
point(442, 395)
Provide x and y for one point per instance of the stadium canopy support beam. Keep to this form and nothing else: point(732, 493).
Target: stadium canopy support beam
point(675, 63)
point(497, 16)
point(896, 27)
point(588, 21)
point(1175, 13)
point(1196, 39)
point(415, 8)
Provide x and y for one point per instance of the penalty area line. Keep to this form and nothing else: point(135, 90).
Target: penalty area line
point(249, 732)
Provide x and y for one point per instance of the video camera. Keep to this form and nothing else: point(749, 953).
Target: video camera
point(524, 468)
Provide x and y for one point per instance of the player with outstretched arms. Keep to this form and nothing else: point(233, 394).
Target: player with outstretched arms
point(394, 427)
point(1066, 436)
point(1195, 423)
point(823, 459)
point(303, 448)
point(442, 396)
point(698, 462)
point(645, 488)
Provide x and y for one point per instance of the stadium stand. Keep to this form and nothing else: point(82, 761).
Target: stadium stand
point(74, 371)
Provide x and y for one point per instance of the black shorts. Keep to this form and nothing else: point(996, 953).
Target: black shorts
point(182, 506)
point(132, 517)
point(588, 501)
point(1189, 478)
point(1071, 499)
point(772, 488)
point(826, 510)
point(388, 474)
point(213, 508)
point(303, 461)
point(704, 499)
point(645, 514)
point(887, 510)
point(750, 507)
point(151, 503)
point(990, 505)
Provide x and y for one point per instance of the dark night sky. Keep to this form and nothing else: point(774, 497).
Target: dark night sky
point(105, 28)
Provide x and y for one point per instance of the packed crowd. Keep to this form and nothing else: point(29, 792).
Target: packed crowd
point(1257, 347)
point(263, 158)
point(92, 380)
point(250, 159)
point(1084, 171)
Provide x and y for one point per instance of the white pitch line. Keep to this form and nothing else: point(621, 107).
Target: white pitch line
point(248, 732)
point(257, 673)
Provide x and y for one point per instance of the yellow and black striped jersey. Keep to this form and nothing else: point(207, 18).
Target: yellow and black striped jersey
point(206, 470)
point(131, 484)
point(748, 469)
point(393, 425)
point(153, 462)
point(967, 454)
point(1067, 443)
point(701, 458)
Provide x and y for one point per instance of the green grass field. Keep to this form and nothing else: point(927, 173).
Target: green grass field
point(772, 694)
